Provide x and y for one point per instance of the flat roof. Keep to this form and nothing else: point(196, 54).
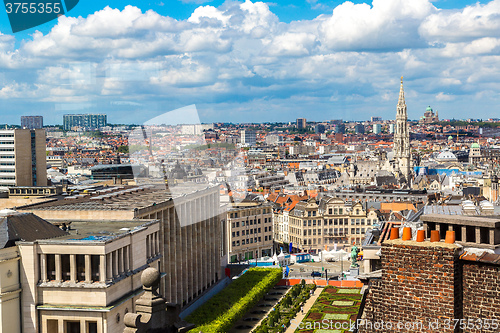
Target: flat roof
point(93, 231)
point(120, 198)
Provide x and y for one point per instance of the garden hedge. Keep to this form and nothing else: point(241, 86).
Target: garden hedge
point(222, 311)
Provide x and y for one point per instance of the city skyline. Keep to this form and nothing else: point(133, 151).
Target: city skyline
point(253, 62)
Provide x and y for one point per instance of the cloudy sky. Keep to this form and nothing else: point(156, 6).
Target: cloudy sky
point(255, 61)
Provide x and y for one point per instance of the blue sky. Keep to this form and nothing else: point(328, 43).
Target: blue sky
point(249, 61)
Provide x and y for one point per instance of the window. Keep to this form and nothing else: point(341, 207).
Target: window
point(309, 223)
point(340, 211)
point(233, 234)
point(319, 222)
point(305, 223)
point(329, 211)
point(314, 213)
point(237, 224)
point(314, 222)
point(309, 214)
point(234, 243)
point(72, 327)
point(319, 231)
point(259, 221)
point(265, 229)
point(258, 230)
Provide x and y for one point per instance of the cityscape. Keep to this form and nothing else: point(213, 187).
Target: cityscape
point(297, 167)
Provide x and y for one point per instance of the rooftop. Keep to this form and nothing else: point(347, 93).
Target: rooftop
point(118, 198)
point(96, 231)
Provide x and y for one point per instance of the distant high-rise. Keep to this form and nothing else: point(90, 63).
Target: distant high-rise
point(359, 129)
point(340, 128)
point(32, 122)
point(23, 157)
point(84, 121)
point(376, 119)
point(301, 123)
point(377, 128)
point(319, 128)
point(248, 137)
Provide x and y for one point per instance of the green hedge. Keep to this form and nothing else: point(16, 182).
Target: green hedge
point(223, 310)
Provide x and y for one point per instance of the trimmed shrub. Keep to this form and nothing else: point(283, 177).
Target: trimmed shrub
point(222, 311)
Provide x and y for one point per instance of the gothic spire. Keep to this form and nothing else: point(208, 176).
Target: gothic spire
point(401, 94)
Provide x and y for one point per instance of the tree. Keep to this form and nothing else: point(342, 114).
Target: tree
point(123, 149)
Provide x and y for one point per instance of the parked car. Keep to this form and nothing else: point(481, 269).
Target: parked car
point(316, 273)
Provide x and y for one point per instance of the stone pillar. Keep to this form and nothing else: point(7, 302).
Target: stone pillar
point(58, 268)
point(109, 266)
point(88, 269)
point(72, 268)
point(492, 236)
point(478, 235)
point(115, 263)
point(463, 229)
point(43, 266)
point(102, 268)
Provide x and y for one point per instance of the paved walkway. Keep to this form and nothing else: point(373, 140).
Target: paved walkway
point(307, 306)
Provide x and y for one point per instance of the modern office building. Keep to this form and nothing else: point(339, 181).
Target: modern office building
point(377, 128)
point(359, 129)
point(84, 121)
point(301, 123)
point(248, 137)
point(374, 119)
point(23, 157)
point(32, 122)
point(339, 128)
point(319, 128)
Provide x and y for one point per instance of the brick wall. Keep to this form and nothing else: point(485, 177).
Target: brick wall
point(481, 296)
point(420, 285)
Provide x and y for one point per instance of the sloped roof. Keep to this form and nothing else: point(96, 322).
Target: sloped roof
point(26, 227)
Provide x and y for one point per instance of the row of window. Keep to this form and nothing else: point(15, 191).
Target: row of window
point(6, 149)
point(235, 215)
point(249, 231)
point(250, 240)
point(250, 222)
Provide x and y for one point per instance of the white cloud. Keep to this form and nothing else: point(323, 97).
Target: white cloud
point(240, 52)
point(472, 22)
point(444, 97)
point(387, 25)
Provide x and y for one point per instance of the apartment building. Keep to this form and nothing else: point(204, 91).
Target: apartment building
point(250, 230)
point(313, 225)
point(22, 157)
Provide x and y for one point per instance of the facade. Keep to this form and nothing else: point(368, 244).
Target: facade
point(191, 233)
point(87, 280)
point(84, 121)
point(374, 119)
point(377, 128)
point(312, 225)
point(23, 158)
point(402, 138)
point(32, 122)
point(301, 123)
point(250, 231)
point(248, 137)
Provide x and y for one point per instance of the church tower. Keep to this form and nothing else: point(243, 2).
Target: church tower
point(402, 137)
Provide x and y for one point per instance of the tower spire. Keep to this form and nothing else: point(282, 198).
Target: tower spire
point(401, 100)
